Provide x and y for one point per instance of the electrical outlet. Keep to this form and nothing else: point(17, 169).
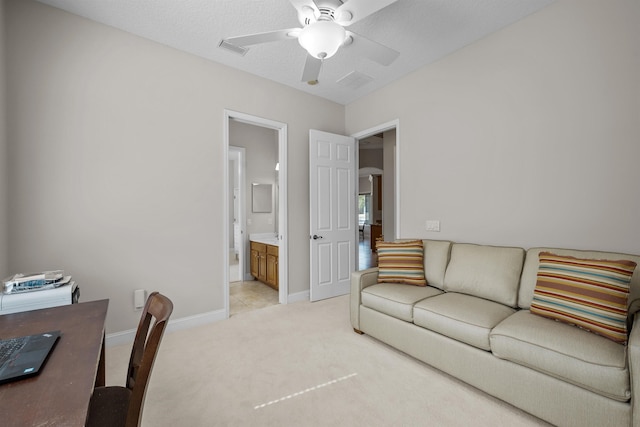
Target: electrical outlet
point(433, 225)
point(139, 298)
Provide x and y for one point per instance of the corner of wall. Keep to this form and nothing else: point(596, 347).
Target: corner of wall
point(4, 228)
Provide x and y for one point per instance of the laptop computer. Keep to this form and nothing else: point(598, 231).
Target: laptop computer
point(24, 356)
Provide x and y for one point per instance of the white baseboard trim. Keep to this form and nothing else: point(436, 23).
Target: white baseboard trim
point(126, 337)
point(298, 297)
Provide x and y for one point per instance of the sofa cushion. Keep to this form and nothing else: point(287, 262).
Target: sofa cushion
point(565, 352)
point(488, 272)
point(401, 262)
point(395, 299)
point(462, 317)
point(588, 293)
point(530, 273)
point(436, 258)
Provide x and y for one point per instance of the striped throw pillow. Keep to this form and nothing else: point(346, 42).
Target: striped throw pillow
point(401, 262)
point(588, 293)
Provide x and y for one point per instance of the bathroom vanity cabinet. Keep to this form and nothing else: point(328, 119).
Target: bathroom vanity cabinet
point(264, 263)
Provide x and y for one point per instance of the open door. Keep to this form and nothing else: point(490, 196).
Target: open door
point(332, 165)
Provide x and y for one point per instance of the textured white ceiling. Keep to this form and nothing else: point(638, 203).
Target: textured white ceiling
point(423, 31)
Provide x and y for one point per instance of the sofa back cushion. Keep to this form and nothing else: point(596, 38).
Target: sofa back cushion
point(436, 258)
point(489, 272)
point(531, 264)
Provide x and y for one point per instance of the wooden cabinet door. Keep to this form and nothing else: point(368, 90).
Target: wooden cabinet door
point(259, 261)
point(264, 263)
point(272, 266)
point(255, 257)
point(262, 267)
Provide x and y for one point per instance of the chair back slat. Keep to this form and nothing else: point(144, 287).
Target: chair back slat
point(153, 321)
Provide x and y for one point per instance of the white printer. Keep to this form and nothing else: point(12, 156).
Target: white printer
point(25, 301)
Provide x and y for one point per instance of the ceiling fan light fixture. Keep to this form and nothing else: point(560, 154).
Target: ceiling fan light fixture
point(322, 39)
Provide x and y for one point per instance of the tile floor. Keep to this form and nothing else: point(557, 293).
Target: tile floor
point(247, 295)
point(250, 295)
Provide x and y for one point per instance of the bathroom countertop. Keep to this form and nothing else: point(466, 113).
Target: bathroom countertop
point(268, 239)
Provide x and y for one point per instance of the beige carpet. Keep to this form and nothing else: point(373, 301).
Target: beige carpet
point(301, 365)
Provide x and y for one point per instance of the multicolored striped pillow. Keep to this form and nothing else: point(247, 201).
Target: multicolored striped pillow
point(588, 293)
point(401, 262)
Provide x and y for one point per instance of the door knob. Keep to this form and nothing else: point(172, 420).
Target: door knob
point(316, 237)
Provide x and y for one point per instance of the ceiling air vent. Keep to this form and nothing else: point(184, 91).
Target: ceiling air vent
point(233, 48)
point(355, 80)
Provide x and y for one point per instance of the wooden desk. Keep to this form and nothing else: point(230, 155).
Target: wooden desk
point(60, 394)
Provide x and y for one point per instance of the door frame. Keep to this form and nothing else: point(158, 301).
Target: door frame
point(393, 124)
point(283, 250)
point(241, 168)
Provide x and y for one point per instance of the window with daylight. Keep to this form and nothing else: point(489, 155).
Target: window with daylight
point(364, 209)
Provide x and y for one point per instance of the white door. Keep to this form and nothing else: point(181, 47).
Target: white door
point(332, 213)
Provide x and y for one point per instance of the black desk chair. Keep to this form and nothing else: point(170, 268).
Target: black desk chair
point(116, 406)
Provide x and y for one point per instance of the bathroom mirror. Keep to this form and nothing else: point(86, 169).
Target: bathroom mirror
point(261, 197)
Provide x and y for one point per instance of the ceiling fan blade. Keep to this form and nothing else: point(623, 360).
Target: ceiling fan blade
point(270, 36)
point(355, 10)
point(311, 70)
point(375, 51)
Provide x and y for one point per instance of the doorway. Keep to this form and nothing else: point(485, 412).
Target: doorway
point(377, 190)
point(369, 201)
point(255, 206)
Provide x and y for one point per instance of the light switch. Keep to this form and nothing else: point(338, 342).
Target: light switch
point(433, 225)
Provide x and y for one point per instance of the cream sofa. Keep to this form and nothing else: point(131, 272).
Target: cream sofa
point(473, 322)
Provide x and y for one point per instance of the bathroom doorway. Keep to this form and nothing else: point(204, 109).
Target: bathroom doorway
point(255, 153)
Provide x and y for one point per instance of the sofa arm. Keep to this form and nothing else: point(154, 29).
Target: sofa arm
point(634, 369)
point(359, 281)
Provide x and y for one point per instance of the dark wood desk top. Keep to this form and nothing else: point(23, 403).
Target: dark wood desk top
point(60, 394)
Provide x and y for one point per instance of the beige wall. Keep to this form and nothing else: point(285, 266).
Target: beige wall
point(371, 158)
point(528, 137)
point(4, 176)
point(116, 146)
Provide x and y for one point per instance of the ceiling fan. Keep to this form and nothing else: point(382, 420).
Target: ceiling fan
point(323, 33)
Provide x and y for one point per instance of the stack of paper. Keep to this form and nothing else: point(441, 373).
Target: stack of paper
point(28, 282)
